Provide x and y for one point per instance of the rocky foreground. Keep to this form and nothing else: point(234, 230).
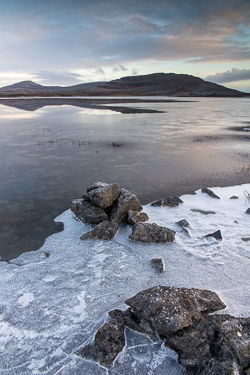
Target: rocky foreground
point(206, 343)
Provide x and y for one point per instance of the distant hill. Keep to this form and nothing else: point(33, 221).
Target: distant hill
point(158, 84)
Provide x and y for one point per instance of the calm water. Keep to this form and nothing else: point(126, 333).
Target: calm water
point(50, 155)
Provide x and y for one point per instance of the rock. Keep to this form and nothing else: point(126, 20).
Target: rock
point(203, 212)
point(234, 197)
point(104, 231)
point(184, 224)
point(210, 193)
point(88, 212)
point(145, 232)
point(101, 194)
point(109, 342)
point(218, 344)
point(170, 309)
point(135, 217)
point(158, 262)
point(248, 211)
point(170, 202)
point(245, 239)
point(216, 234)
point(126, 201)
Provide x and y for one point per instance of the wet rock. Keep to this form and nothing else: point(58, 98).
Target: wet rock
point(216, 234)
point(203, 212)
point(158, 262)
point(105, 231)
point(248, 211)
point(101, 194)
point(88, 212)
point(170, 309)
point(126, 201)
point(135, 217)
point(145, 232)
point(109, 342)
point(210, 193)
point(170, 202)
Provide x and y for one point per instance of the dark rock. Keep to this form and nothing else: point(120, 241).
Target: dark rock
point(110, 341)
point(101, 194)
point(145, 232)
point(135, 217)
point(104, 231)
point(203, 212)
point(218, 344)
point(132, 321)
point(170, 202)
point(248, 211)
point(126, 201)
point(88, 212)
point(216, 234)
point(170, 309)
point(210, 193)
point(184, 224)
point(158, 262)
point(234, 197)
point(245, 239)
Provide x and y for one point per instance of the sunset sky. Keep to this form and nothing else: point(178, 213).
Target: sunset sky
point(66, 42)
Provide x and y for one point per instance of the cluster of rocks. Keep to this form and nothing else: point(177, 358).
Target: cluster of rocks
point(108, 206)
point(206, 344)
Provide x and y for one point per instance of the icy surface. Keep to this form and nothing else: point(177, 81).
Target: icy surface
point(52, 305)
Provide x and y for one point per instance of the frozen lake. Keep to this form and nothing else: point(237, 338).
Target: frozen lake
point(50, 154)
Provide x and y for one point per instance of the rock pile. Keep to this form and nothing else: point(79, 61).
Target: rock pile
point(108, 206)
point(206, 344)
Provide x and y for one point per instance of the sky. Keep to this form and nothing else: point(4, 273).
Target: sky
point(67, 42)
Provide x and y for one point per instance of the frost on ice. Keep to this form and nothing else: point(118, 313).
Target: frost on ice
point(52, 306)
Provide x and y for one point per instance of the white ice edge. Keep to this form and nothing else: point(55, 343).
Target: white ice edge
point(51, 306)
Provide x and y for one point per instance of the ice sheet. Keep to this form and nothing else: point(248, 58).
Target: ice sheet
point(53, 305)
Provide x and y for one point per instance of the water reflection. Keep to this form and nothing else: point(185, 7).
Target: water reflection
point(53, 154)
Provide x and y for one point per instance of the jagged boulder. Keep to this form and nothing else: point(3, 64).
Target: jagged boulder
point(126, 201)
point(210, 193)
point(101, 194)
point(170, 309)
point(105, 231)
point(146, 232)
point(135, 217)
point(88, 212)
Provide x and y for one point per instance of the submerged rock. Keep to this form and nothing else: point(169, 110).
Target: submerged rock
point(135, 217)
point(88, 212)
point(170, 309)
point(145, 232)
point(105, 231)
point(101, 194)
point(210, 193)
point(158, 262)
point(126, 201)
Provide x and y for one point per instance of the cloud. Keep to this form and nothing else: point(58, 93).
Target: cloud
point(61, 78)
point(134, 72)
point(99, 70)
point(230, 76)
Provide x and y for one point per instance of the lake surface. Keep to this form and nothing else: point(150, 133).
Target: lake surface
point(49, 155)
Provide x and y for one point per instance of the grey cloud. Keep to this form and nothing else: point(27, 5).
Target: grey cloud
point(116, 69)
point(62, 78)
point(123, 68)
point(134, 72)
point(230, 76)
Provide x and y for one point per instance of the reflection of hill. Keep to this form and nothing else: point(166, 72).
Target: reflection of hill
point(34, 104)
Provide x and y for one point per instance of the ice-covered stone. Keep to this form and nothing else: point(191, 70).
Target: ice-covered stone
point(126, 201)
point(210, 193)
point(105, 231)
point(217, 235)
point(88, 212)
point(135, 217)
point(102, 194)
point(146, 232)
